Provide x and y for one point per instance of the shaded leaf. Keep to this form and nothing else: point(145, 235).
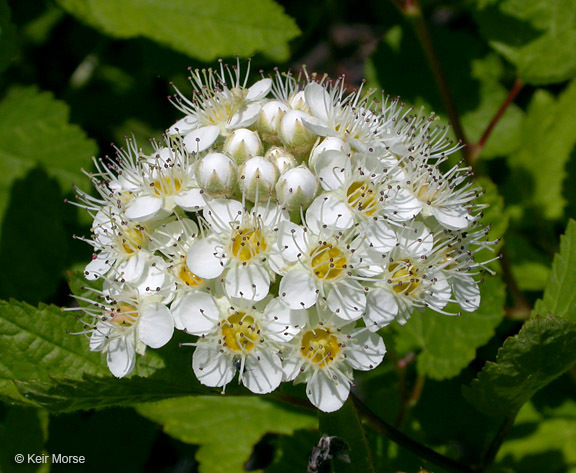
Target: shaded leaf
point(560, 297)
point(539, 353)
point(226, 428)
point(202, 30)
point(34, 129)
point(449, 344)
point(538, 36)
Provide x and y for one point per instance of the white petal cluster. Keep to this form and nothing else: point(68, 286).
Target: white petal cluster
point(281, 224)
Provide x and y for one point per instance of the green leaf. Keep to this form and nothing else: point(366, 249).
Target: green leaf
point(22, 431)
point(7, 37)
point(226, 428)
point(35, 346)
point(559, 297)
point(539, 353)
point(538, 36)
point(539, 443)
point(345, 424)
point(548, 136)
point(449, 344)
point(203, 30)
point(34, 129)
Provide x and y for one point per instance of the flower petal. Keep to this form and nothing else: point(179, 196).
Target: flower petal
point(201, 139)
point(184, 125)
point(298, 289)
point(259, 90)
point(318, 100)
point(156, 326)
point(453, 218)
point(221, 212)
point(198, 312)
point(367, 352)
point(291, 241)
point(244, 117)
point(204, 260)
point(121, 357)
point(331, 168)
point(99, 266)
point(416, 239)
point(327, 210)
point(251, 282)
point(190, 200)
point(381, 309)
point(211, 367)
point(262, 372)
point(282, 323)
point(347, 301)
point(326, 393)
point(144, 208)
point(466, 292)
point(380, 236)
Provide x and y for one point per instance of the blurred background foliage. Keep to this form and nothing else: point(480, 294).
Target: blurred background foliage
point(78, 75)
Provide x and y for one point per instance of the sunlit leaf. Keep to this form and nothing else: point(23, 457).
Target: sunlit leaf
point(226, 428)
point(204, 30)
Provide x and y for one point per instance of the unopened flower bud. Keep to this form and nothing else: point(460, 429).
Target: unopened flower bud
point(295, 135)
point(242, 144)
point(216, 174)
point(282, 159)
point(269, 120)
point(296, 187)
point(258, 177)
point(330, 143)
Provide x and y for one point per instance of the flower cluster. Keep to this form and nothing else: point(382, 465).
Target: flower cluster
point(282, 225)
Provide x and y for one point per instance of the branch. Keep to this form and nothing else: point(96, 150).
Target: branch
point(412, 10)
point(406, 442)
point(475, 150)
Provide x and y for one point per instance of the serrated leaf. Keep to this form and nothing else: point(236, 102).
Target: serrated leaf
point(449, 344)
point(34, 346)
point(226, 428)
point(538, 36)
point(203, 30)
point(542, 350)
point(559, 297)
point(34, 130)
point(548, 137)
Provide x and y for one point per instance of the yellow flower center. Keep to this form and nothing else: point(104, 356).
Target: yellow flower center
point(320, 346)
point(404, 277)
point(328, 262)
point(124, 314)
point(166, 186)
point(188, 277)
point(363, 197)
point(248, 243)
point(133, 239)
point(239, 332)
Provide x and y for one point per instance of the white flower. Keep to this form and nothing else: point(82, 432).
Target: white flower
point(324, 355)
point(322, 267)
point(127, 324)
point(238, 337)
point(238, 247)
